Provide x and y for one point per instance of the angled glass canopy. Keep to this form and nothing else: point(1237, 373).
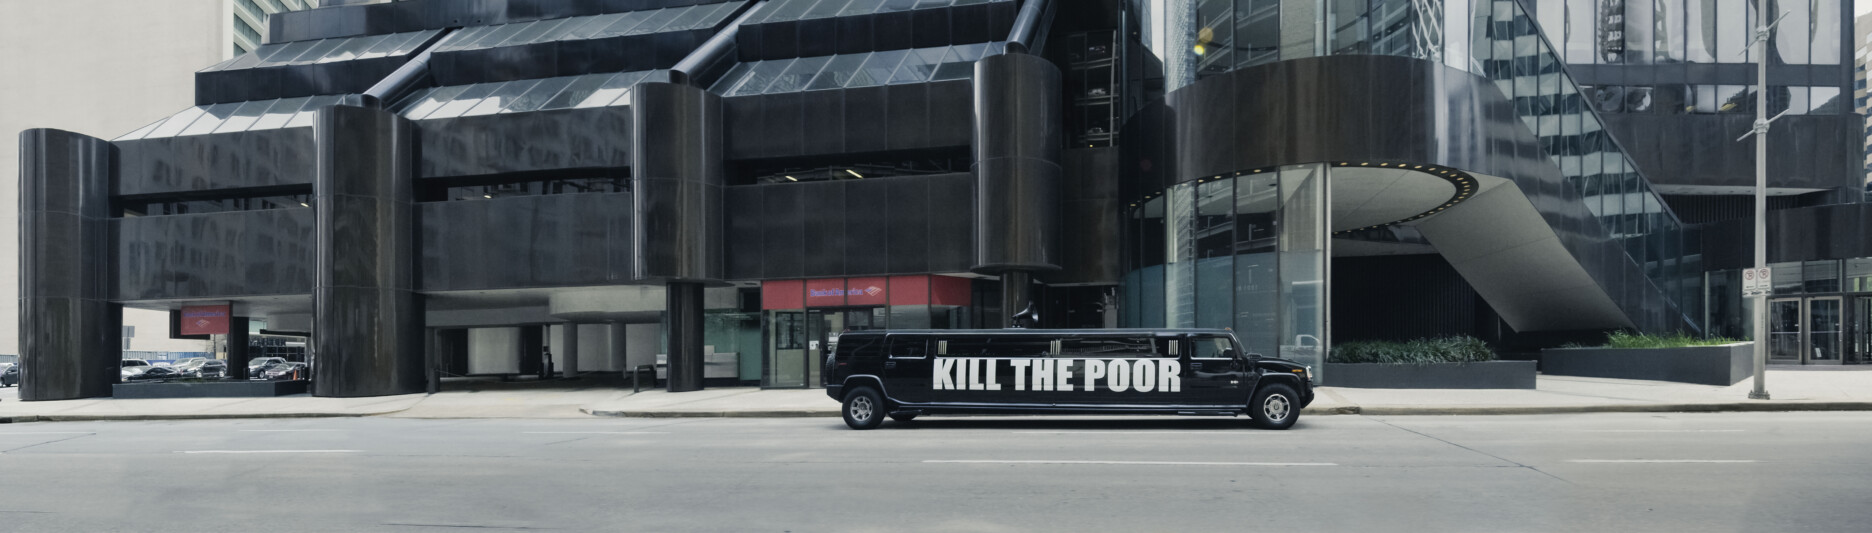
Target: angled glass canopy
point(855, 70)
point(328, 50)
point(237, 116)
point(591, 27)
point(520, 96)
point(789, 10)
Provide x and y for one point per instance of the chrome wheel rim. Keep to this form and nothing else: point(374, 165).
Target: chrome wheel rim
point(1275, 407)
point(861, 408)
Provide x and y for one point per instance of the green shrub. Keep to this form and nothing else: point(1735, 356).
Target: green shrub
point(1621, 339)
point(1460, 349)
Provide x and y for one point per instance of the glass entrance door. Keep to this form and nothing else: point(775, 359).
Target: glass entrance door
point(786, 351)
point(1784, 331)
point(1806, 332)
point(1825, 332)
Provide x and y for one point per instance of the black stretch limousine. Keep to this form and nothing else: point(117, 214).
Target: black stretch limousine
point(905, 373)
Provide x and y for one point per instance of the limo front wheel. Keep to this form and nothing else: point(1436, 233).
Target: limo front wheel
point(864, 408)
point(1275, 406)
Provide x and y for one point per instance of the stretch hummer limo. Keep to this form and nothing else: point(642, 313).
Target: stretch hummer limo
point(906, 373)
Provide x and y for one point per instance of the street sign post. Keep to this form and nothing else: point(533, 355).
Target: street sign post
point(1757, 282)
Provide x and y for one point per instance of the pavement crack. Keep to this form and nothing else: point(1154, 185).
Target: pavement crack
point(1496, 457)
point(47, 442)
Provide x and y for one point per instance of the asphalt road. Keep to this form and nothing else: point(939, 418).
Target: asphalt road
point(1599, 472)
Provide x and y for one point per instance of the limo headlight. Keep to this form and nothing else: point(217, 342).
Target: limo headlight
point(1309, 373)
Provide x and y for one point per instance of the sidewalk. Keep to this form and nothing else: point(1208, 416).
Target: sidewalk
point(1792, 389)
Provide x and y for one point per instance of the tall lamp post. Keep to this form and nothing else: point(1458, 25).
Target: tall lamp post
point(1760, 300)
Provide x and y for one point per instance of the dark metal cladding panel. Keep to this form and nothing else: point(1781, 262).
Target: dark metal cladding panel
point(263, 158)
point(853, 35)
point(743, 208)
point(930, 28)
point(366, 311)
point(908, 115)
point(824, 216)
point(414, 15)
point(909, 212)
point(867, 119)
point(822, 122)
point(948, 125)
point(783, 234)
point(745, 122)
point(783, 124)
point(70, 338)
point(952, 222)
point(1017, 139)
point(598, 137)
point(215, 255)
point(868, 225)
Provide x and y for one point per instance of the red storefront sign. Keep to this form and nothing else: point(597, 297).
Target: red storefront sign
point(870, 291)
point(865, 291)
point(206, 319)
point(825, 292)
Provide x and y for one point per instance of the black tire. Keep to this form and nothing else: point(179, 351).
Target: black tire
point(903, 417)
point(864, 408)
point(1275, 406)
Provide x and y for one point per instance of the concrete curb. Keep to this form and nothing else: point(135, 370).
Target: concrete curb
point(799, 413)
point(1733, 407)
point(1363, 410)
point(216, 416)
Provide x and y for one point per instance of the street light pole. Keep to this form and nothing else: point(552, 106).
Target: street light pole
point(1761, 197)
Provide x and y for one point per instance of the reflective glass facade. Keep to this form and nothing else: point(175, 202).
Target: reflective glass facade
point(1495, 39)
point(1244, 252)
point(520, 96)
point(855, 70)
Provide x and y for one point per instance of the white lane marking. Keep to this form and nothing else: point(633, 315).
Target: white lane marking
point(596, 432)
point(1662, 430)
point(1148, 463)
point(1661, 460)
point(271, 451)
point(284, 430)
point(48, 433)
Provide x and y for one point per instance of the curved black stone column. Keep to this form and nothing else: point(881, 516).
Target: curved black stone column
point(367, 329)
point(1017, 170)
point(685, 336)
point(676, 181)
point(70, 333)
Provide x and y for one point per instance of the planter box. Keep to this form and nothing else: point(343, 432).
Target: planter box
point(1484, 375)
point(209, 389)
point(1707, 365)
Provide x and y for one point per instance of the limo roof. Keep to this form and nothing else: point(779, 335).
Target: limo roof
point(1046, 332)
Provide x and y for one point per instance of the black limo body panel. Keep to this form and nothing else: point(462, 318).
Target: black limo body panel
point(1017, 371)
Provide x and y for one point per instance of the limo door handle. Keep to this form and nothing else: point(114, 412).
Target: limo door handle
point(890, 364)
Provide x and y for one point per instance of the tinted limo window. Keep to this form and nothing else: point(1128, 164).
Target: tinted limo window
point(908, 347)
point(1100, 347)
point(1211, 347)
point(997, 347)
point(862, 346)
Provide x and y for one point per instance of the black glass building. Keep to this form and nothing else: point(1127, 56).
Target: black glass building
point(420, 186)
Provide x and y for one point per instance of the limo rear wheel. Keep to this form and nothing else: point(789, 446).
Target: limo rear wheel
point(1275, 406)
point(864, 408)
